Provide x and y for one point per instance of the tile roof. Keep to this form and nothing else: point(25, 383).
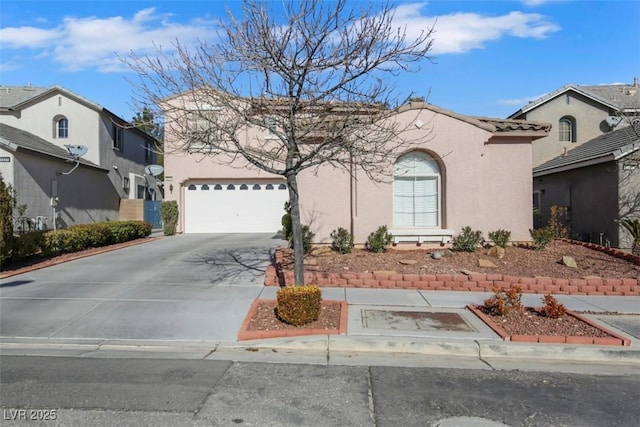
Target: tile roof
point(490, 124)
point(616, 96)
point(14, 139)
point(607, 147)
point(12, 97)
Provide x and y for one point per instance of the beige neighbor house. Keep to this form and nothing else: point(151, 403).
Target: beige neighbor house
point(461, 171)
point(38, 125)
point(588, 164)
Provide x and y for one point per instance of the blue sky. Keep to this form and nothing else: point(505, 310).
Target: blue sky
point(491, 57)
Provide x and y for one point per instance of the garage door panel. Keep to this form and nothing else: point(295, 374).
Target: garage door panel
point(252, 210)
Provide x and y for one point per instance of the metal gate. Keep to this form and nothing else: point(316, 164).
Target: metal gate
point(152, 213)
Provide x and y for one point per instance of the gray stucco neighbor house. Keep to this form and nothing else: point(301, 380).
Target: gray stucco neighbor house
point(38, 124)
point(599, 182)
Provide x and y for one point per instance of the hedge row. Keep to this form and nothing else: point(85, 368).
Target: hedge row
point(76, 238)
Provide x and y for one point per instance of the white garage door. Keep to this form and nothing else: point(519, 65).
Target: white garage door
point(234, 207)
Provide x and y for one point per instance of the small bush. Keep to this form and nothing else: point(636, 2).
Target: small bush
point(468, 240)
point(504, 302)
point(558, 220)
point(169, 214)
point(342, 240)
point(299, 305)
point(307, 238)
point(287, 222)
point(93, 235)
point(379, 240)
point(552, 308)
point(123, 231)
point(500, 237)
point(27, 245)
point(542, 237)
point(63, 241)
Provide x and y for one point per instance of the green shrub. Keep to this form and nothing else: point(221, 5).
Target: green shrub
point(93, 235)
point(342, 240)
point(542, 237)
point(299, 305)
point(379, 240)
point(169, 214)
point(63, 241)
point(287, 222)
point(123, 231)
point(500, 237)
point(28, 245)
point(468, 240)
point(307, 238)
point(7, 203)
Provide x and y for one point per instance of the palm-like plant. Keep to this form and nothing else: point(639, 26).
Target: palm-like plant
point(633, 227)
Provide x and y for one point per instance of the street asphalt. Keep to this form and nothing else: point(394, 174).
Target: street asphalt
point(186, 297)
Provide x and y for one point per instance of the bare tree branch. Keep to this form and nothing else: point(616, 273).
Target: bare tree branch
point(317, 82)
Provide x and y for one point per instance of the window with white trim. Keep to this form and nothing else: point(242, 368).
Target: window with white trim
point(61, 127)
point(416, 191)
point(118, 137)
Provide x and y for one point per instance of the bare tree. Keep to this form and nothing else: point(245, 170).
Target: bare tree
point(320, 82)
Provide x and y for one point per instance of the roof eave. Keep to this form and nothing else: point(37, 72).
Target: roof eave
point(576, 165)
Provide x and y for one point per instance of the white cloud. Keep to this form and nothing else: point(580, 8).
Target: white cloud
point(92, 42)
point(462, 32)
point(79, 43)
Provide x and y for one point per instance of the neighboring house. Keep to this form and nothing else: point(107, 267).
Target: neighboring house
point(462, 171)
point(579, 114)
point(37, 124)
point(598, 182)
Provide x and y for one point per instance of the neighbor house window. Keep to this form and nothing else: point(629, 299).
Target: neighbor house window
point(118, 137)
point(61, 127)
point(148, 152)
point(567, 129)
point(416, 191)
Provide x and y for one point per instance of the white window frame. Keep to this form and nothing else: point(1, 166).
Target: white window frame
point(418, 156)
point(118, 138)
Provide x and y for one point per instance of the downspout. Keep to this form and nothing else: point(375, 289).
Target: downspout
point(351, 195)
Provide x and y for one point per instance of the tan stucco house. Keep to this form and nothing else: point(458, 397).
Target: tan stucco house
point(459, 171)
point(38, 125)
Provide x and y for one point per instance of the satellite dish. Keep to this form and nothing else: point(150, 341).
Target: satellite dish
point(153, 170)
point(76, 150)
point(613, 121)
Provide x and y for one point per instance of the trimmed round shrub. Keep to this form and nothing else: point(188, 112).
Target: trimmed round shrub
point(299, 305)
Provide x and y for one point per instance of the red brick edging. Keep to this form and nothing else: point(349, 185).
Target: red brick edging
point(590, 285)
point(245, 334)
point(614, 339)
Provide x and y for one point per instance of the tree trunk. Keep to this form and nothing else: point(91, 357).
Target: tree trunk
point(296, 228)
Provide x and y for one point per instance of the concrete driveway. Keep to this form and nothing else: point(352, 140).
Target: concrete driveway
point(183, 288)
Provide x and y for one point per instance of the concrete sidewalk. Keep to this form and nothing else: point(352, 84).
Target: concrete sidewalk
point(182, 308)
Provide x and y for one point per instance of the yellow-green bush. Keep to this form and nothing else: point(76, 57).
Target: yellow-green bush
point(299, 305)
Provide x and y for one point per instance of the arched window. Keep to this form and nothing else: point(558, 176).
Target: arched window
point(191, 187)
point(244, 187)
point(567, 129)
point(416, 191)
point(256, 186)
point(204, 187)
point(282, 187)
point(217, 187)
point(231, 187)
point(61, 127)
point(269, 187)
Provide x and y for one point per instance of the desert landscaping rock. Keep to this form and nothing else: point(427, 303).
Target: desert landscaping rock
point(407, 261)
point(569, 262)
point(485, 263)
point(496, 252)
point(437, 255)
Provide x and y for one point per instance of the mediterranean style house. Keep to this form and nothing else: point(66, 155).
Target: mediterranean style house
point(70, 160)
point(460, 171)
point(589, 163)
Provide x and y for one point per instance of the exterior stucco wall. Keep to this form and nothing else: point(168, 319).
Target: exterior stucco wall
point(38, 119)
point(129, 162)
point(629, 192)
point(6, 168)
point(485, 182)
point(589, 118)
point(591, 196)
point(85, 196)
